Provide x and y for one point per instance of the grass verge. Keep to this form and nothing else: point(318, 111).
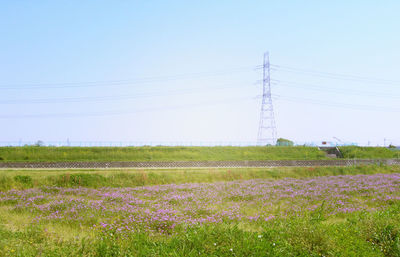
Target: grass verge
point(23, 179)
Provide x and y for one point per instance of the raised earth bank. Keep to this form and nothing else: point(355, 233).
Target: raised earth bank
point(167, 154)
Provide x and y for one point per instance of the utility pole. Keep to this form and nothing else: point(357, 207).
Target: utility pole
point(267, 129)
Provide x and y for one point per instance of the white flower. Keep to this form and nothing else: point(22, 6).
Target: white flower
point(231, 250)
point(273, 244)
point(259, 236)
point(215, 244)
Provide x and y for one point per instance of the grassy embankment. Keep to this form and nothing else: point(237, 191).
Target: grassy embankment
point(161, 153)
point(218, 153)
point(304, 213)
point(355, 152)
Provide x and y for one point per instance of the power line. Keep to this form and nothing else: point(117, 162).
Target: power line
point(114, 97)
point(332, 90)
point(338, 76)
point(195, 75)
point(336, 104)
point(123, 112)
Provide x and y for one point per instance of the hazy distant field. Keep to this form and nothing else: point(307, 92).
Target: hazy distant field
point(218, 153)
point(331, 211)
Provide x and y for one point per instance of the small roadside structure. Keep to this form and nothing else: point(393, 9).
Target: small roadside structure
point(284, 142)
point(331, 152)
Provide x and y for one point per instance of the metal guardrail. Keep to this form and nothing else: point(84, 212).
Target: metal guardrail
point(196, 164)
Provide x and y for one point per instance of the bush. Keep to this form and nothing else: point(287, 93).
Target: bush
point(87, 180)
point(27, 180)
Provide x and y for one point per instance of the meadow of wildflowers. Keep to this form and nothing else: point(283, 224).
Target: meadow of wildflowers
point(162, 213)
point(160, 208)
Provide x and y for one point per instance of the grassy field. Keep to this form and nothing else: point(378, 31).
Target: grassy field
point(325, 211)
point(25, 179)
point(161, 153)
point(351, 152)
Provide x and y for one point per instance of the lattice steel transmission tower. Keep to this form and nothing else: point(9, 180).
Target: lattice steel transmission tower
point(267, 128)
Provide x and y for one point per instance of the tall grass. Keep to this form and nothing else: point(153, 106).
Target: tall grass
point(161, 153)
point(356, 152)
point(360, 234)
point(23, 179)
point(164, 153)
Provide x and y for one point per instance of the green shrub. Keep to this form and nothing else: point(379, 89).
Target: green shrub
point(27, 180)
point(75, 180)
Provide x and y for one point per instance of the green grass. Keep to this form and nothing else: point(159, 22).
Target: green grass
point(351, 152)
point(161, 153)
point(360, 234)
point(23, 179)
point(164, 153)
point(313, 233)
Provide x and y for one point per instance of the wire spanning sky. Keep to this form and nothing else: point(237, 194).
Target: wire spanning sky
point(175, 71)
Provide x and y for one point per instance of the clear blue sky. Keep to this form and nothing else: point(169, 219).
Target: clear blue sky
point(184, 71)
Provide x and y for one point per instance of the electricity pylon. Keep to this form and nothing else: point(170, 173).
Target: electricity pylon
point(267, 129)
